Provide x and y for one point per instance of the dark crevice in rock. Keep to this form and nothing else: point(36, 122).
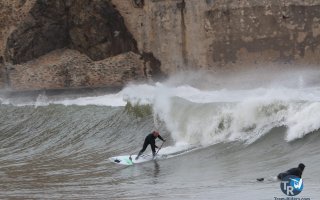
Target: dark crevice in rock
point(22, 2)
point(138, 3)
point(2, 73)
point(152, 67)
point(182, 7)
point(99, 31)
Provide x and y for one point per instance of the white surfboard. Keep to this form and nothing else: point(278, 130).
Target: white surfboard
point(130, 160)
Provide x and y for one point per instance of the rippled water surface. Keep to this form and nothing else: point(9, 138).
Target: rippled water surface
point(218, 143)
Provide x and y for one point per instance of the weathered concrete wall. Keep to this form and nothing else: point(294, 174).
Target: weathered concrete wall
point(212, 34)
point(62, 69)
point(276, 34)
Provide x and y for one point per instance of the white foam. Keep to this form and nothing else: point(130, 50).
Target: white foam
point(220, 114)
point(303, 120)
point(251, 114)
point(104, 100)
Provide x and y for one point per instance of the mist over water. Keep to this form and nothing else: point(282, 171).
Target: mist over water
point(223, 130)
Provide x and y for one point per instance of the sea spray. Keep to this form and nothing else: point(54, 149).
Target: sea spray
point(204, 117)
point(303, 121)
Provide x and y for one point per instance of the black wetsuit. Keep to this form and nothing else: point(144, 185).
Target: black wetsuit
point(150, 139)
point(294, 171)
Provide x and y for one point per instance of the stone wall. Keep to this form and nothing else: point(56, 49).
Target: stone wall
point(66, 68)
point(218, 35)
point(260, 34)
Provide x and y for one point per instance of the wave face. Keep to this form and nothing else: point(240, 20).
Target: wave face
point(219, 139)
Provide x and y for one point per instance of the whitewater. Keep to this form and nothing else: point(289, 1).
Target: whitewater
point(222, 131)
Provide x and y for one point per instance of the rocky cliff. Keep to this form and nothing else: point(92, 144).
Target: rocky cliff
point(91, 35)
point(81, 43)
point(213, 34)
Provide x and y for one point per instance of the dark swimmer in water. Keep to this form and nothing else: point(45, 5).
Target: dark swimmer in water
point(297, 171)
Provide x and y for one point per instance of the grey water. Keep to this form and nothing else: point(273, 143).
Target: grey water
point(61, 152)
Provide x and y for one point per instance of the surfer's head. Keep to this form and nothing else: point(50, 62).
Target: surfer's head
point(301, 166)
point(156, 133)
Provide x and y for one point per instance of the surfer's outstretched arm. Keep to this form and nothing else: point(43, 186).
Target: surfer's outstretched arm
point(159, 136)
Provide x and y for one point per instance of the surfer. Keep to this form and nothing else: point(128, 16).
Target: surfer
point(297, 171)
point(150, 139)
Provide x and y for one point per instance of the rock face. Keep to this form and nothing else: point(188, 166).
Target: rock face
point(279, 33)
point(45, 29)
point(98, 30)
point(218, 35)
point(162, 36)
point(2, 74)
point(93, 28)
point(67, 68)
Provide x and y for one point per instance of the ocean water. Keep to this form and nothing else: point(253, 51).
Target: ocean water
point(220, 138)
